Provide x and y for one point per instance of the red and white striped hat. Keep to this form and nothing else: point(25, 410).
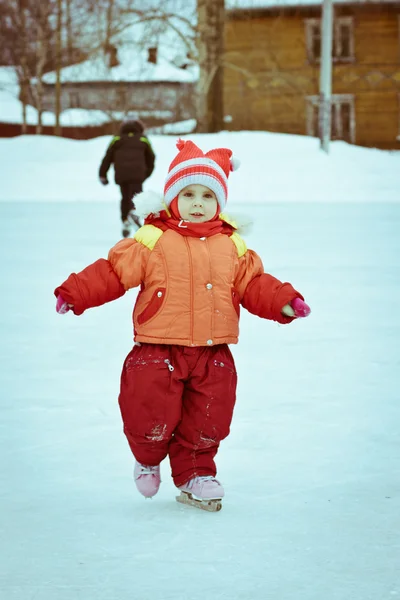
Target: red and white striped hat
point(192, 166)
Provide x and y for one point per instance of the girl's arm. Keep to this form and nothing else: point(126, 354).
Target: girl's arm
point(105, 280)
point(262, 294)
point(94, 286)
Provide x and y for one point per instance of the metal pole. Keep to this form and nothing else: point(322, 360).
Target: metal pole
point(325, 84)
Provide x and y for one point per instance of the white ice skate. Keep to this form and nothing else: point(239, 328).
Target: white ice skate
point(134, 221)
point(126, 228)
point(147, 479)
point(203, 492)
point(131, 224)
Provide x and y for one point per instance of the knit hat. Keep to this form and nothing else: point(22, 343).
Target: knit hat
point(192, 166)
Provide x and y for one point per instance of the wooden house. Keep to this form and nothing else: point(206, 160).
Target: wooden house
point(272, 69)
point(145, 73)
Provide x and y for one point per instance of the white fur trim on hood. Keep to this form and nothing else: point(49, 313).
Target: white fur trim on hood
point(147, 203)
point(241, 222)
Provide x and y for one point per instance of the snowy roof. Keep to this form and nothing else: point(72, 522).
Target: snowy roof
point(257, 4)
point(132, 47)
point(131, 68)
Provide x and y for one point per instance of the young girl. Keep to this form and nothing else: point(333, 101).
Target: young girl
point(178, 383)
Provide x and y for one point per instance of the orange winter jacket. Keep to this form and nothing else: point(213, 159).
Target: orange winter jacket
point(191, 288)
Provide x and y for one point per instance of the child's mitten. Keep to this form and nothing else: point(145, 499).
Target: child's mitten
point(301, 309)
point(62, 306)
point(297, 308)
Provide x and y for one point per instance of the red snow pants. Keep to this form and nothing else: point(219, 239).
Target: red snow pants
point(178, 401)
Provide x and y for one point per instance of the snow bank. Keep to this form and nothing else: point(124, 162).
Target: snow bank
point(275, 168)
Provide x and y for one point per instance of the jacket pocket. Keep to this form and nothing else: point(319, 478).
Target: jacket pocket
point(153, 306)
point(236, 301)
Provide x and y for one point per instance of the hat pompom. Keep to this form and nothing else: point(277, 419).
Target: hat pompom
point(235, 163)
point(180, 144)
point(148, 203)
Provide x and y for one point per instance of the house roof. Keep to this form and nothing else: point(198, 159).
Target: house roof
point(132, 50)
point(131, 68)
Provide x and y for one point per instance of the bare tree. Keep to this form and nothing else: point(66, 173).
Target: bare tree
point(110, 8)
point(68, 28)
point(203, 35)
point(41, 21)
point(210, 27)
point(58, 67)
point(24, 75)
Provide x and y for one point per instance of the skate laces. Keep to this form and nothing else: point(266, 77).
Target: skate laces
point(148, 470)
point(201, 479)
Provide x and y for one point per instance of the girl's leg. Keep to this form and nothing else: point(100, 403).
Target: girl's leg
point(207, 409)
point(150, 401)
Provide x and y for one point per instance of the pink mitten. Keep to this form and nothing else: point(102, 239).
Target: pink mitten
point(301, 309)
point(62, 306)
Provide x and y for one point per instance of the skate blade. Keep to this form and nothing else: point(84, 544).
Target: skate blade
point(213, 505)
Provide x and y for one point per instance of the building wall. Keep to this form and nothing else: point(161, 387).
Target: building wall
point(168, 101)
point(268, 76)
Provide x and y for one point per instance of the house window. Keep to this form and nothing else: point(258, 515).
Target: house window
point(121, 98)
point(343, 119)
point(74, 100)
point(342, 42)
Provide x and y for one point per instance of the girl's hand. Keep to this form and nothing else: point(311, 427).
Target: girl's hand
point(297, 308)
point(61, 305)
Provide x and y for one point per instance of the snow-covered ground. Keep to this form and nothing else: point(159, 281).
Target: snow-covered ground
point(275, 168)
point(311, 467)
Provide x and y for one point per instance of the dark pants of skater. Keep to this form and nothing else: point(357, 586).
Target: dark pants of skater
point(128, 191)
point(178, 401)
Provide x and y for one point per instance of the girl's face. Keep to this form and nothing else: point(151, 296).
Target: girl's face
point(197, 203)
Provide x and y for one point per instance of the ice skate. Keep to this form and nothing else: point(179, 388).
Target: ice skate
point(126, 228)
point(203, 492)
point(147, 479)
point(134, 221)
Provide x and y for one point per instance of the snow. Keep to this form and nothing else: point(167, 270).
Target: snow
point(8, 79)
point(132, 45)
point(133, 67)
point(11, 112)
point(281, 168)
point(10, 106)
point(310, 468)
point(179, 128)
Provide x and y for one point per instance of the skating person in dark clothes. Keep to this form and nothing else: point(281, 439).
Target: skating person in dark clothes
point(133, 159)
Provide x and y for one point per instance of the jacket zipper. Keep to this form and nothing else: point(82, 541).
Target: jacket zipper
point(191, 290)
